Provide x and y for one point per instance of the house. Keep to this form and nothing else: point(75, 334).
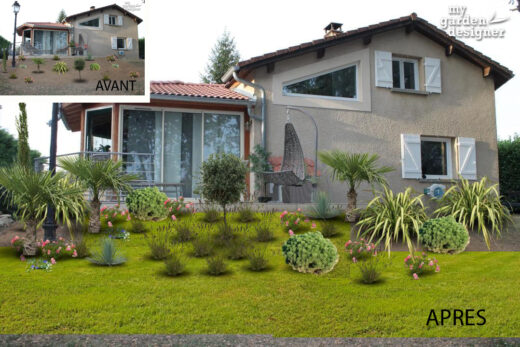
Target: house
point(404, 89)
point(99, 31)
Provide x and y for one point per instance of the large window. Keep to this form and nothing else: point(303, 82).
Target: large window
point(91, 23)
point(180, 141)
point(436, 157)
point(405, 73)
point(98, 130)
point(340, 83)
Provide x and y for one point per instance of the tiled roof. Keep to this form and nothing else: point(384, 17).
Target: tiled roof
point(45, 25)
point(411, 22)
point(202, 90)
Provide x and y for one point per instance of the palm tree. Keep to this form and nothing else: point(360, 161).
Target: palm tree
point(354, 168)
point(98, 176)
point(30, 192)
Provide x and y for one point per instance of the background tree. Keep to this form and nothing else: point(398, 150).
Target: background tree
point(223, 179)
point(61, 16)
point(354, 168)
point(223, 56)
point(9, 149)
point(24, 157)
point(509, 165)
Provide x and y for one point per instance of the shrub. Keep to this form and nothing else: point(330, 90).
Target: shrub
point(322, 208)
point(257, 260)
point(223, 179)
point(111, 58)
point(134, 74)
point(178, 207)
point(329, 229)
point(175, 265)
point(13, 76)
point(211, 213)
point(390, 217)
point(56, 57)
point(509, 165)
point(225, 234)
point(245, 213)
point(21, 57)
point(108, 255)
point(238, 249)
point(115, 66)
point(79, 65)
point(28, 80)
point(114, 215)
point(58, 249)
point(419, 264)
point(372, 269)
point(89, 57)
point(216, 266)
point(159, 243)
point(202, 246)
point(264, 232)
point(294, 221)
point(82, 250)
point(138, 227)
point(95, 67)
point(147, 203)
point(310, 253)
point(38, 62)
point(475, 205)
point(106, 77)
point(444, 235)
point(184, 231)
point(360, 249)
point(60, 67)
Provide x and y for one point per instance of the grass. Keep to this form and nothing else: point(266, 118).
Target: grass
point(137, 297)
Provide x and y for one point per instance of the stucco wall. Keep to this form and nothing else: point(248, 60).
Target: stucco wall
point(465, 108)
point(99, 39)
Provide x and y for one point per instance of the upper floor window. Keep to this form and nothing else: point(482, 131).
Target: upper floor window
point(112, 20)
point(91, 23)
point(340, 83)
point(405, 73)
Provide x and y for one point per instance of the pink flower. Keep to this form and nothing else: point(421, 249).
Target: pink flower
point(128, 218)
point(22, 258)
point(435, 261)
point(375, 253)
point(13, 240)
point(297, 221)
point(421, 265)
point(286, 224)
point(53, 261)
point(167, 201)
point(68, 249)
point(350, 251)
point(415, 277)
point(75, 254)
point(115, 214)
point(60, 238)
point(174, 200)
point(348, 243)
point(411, 266)
point(103, 208)
point(306, 220)
point(49, 252)
point(181, 198)
point(368, 248)
point(438, 268)
point(407, 258)
point(58, 250)
point(109, 224)
point(354, 260)
point(123, 213)
point(170, 209)
point(430, 263)
point(291, 233)
point(313, 226)
point(173, 217)
point(299, 209)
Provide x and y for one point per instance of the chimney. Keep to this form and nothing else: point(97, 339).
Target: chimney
point(333, 29)
point(92, 8)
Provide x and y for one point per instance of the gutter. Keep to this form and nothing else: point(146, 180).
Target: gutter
point(262, 118)
point(201, 99)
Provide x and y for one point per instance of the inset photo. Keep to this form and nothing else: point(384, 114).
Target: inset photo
point(72, 48)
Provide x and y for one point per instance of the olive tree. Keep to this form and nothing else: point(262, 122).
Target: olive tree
point(223, 179)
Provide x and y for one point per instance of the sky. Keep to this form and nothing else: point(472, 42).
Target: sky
point(182, 33)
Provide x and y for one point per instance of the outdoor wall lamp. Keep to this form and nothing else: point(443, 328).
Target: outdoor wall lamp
point(16, 9)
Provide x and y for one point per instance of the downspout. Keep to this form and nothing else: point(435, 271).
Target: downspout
point(262, 117)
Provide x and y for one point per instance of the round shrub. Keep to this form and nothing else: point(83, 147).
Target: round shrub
point(310, 253)
point(444, 235)
point(147, 203)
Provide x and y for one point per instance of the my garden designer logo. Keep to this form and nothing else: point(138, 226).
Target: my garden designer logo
point(461, 24)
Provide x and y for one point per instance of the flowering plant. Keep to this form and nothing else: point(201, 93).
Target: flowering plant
point(40, 264)
point(57, 249)
point(120, 234)
point(178, 207)
point(294, 221)
point(360, 249)
point(114, 215)
point(17, 242)
point(418, 264)
point(28, 80)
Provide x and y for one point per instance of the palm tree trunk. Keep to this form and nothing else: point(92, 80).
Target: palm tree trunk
point(94, 224)
point(351, 214)
point(30, 247)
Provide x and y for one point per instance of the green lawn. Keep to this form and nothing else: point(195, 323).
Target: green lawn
point(80, 298)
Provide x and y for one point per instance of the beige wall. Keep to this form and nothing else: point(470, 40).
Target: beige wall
point(99, 39)
point(465, 108)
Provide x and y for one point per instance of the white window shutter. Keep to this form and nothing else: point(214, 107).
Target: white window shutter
point(467, 158)
point(129, 43)
point(383, 68)
point(106, 19)
point(120, 20)
point(432, 75)
point(114, 42)
point(411, 156)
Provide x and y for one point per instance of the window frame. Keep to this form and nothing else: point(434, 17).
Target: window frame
point(90, 26)
point(124, 43)
point(111, 107)
point(110, 17)
point(321, 73)
point(401, 61)
point(449, 157)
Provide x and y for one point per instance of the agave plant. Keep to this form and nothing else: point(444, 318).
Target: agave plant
point(108, 255)
point(321, 208)
point(392, 217)
point(475, 205)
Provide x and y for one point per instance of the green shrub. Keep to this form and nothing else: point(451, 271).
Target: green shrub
point(138, 227)
point(115, 66)
point(211, 213)
point(56, 57)
point(329, 229)
point(159, 243)
point(134, 74)
point(444, 235)
point(38, 62)
point(223, 179)
point(310, 253)
point(202, 246)
point(13, 76)
point(60, 67)
point(509, 165)
point(225, 234)
point(111, 58)
point(216, 266)
point(21, 57)
point(371, 270)
point(81, 248)
point(322, 208)
point(238, 249)
point(391, 217)
point(175, 265)
point(184, 231)
point(89, 57)
point(147, 203)
point(28, 79)
point(106, 77)
point(108, 255)
point(245, 213)
point(79, 65)
point(257, 260)
point(95, 67)
point(264, 231)
point(475, 205)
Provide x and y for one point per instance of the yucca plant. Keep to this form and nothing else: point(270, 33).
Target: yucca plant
point(354, 168)
point(108, 255)
point(392, 216)
point(60, 67)
point(476, 206)
point(322, 208)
